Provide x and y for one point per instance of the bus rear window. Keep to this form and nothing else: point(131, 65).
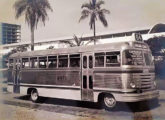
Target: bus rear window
point(133, 57)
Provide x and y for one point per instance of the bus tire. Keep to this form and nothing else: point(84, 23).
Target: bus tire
point(109, 102)
point(34, 95)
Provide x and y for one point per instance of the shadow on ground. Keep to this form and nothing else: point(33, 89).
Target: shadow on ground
point(126, 107)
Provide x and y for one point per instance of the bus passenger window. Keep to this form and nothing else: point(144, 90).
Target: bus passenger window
point(52, 61)
point(33, 62)
point(63, 61)
point(99, 59)
point(25, 62)
point(84, 61)
point(90, 61)
point(11, 63)
point(112, 59)
point(42, 62)
point(75, 60)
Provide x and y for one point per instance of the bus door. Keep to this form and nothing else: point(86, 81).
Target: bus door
point(87, 77)
point(16, 87)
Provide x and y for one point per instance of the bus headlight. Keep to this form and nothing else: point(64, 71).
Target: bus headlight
point(132, 85)
point(154, 83)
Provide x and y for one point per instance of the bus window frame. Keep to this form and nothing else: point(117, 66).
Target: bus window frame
point(12, 63)
point(30, 62)
point(74, 57)
point(59, 62)
point(22, 63)
point(56, 62)
point(94, 59)
point(46, 62)
point(123, 57)
point(118, 63)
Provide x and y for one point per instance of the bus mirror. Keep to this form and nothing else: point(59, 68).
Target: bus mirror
point(153, 58)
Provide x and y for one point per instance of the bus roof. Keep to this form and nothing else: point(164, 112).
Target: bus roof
point(80, 49)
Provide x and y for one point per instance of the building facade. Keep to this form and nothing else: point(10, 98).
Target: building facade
point(9, 33)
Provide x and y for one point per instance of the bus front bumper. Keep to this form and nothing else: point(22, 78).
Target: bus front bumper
point(135, 97)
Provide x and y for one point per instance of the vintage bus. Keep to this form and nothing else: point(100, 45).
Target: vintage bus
point(106, 73)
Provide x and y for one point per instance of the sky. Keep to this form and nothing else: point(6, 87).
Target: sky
point(64, 20)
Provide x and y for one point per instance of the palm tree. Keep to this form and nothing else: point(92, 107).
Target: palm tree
point(20, 48)
point(34, 11)
point(94, 11)
point(75, 42)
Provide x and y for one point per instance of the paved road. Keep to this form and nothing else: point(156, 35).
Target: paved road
point(16, 107)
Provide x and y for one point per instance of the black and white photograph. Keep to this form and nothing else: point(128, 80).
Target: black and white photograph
point(82, 60)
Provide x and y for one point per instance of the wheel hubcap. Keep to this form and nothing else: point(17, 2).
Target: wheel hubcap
point(34, 95)
point(109, 101)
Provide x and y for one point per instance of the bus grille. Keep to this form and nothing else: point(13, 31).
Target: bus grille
point(145, 81)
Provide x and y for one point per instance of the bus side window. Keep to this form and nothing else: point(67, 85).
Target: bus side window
point(63, 61)
point(25, 62)
point(112, 59)
point(33, 62)
point(75, 60)
point(84, 61)
point(90, 61)
point(52, 61)
point(99, 59)
point(42, 62)
point(11, 63)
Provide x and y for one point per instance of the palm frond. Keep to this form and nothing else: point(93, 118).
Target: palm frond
point(99, 3)
point(84, 14)
point(68, 42)
point(103, 20)
point(104, 11)
point(20, 7)
point(87, 5)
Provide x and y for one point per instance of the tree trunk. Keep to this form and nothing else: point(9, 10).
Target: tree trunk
point(94, 32)
point(32, 39)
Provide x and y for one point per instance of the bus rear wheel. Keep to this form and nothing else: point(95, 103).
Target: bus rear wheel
point(109, 102)
point(34, 96)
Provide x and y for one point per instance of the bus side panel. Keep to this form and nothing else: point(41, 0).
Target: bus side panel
point(107, 80)
point(53, 83)
point(73, 94)
point(51, 77)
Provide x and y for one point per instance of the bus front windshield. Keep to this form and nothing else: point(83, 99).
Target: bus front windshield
point(136, 57)
point(133, 57)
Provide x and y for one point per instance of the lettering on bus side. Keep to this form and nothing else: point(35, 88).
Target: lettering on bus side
point(61, 78)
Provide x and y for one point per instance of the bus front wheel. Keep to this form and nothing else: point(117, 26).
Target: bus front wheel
point(109, 102)
point(34, 95)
